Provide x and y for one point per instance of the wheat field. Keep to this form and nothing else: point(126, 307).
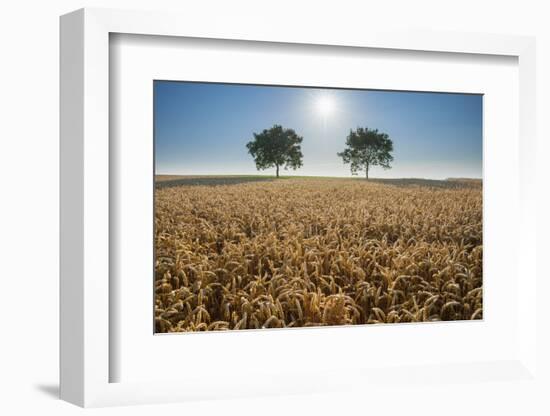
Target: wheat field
point(304, 252)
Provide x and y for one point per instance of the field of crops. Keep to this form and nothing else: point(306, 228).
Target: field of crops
point(315, 252)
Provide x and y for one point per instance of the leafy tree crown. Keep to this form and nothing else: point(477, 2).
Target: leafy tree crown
point(366, 148)
point(276, 147)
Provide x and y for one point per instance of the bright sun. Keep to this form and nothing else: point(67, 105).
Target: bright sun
point(325, 106)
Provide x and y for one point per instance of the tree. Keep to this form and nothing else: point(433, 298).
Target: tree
point(367, 148)
point(276, 147)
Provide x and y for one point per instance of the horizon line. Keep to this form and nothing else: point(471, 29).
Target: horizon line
point(319, 176)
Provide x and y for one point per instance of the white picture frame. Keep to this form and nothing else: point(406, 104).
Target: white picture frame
point(85, 353)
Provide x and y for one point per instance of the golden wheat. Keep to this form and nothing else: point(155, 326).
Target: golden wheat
point(315, 252)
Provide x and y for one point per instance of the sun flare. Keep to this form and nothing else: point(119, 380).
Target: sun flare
point(325, 106)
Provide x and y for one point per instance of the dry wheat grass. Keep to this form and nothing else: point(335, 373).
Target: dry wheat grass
point(316, 252)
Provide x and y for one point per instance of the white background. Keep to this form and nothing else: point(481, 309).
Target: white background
point(29, 206)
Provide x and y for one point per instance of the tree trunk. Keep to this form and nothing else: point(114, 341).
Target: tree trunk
point(367, 172)
point(277, 170)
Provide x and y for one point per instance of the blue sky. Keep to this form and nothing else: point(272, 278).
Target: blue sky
point(203, 128)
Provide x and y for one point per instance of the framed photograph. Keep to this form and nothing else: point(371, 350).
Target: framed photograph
point(275, 212)
point(309, 244)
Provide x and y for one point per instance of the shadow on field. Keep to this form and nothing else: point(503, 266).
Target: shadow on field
point(165, 181)
point(161, 182)
point(434, 183)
